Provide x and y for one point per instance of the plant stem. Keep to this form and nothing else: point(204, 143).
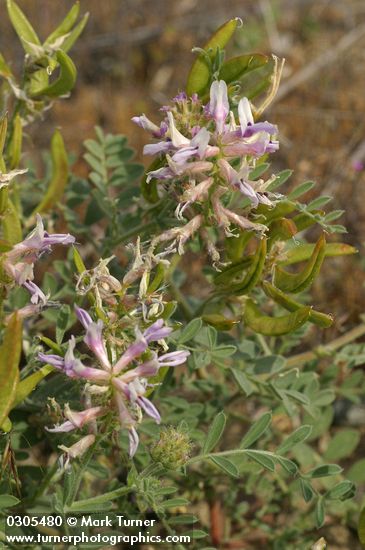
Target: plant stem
point(134, 231)
point(176, 292)
point(263, 344)
point(105, 497)
point(183, 303)
point(45, 483)
point(347, 338)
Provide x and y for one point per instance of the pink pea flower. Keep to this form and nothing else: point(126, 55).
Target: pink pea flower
point(72, 366)
point(77, 419)
point(19, 262)
point(219, 105)
point(93, 338)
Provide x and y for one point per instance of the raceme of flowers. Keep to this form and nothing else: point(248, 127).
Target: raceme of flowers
point(118, 386)
point(207, 152)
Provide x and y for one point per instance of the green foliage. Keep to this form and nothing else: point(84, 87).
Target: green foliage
point(200, 73)
point(111, 186)
point(247, 420)
point(236, 67)
point(215, 432)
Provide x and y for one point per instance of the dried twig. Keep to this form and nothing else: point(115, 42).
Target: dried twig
point(321, 62)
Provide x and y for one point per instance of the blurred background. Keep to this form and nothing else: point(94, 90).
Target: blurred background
point(135, 54)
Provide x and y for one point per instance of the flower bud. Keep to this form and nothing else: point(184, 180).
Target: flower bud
point(173, 448)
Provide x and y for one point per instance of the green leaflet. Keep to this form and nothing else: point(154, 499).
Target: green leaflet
point(226, 465)
point(51, 344)
point(320, 319)
point(22, 26)
point(236, 67)
point(320, 513)
point(199, 76)
point(257, 429)
point(297, 282)
point(66, 25)
point(280, 179)
point(10, 351)
point(78, 261)
point(66, 80)
point(215, 432)
point(304, 251)
point(271, 326)
point(8, 501)
point(297, 436)
point(26, 386)
point(15, 146)
point(75, 33)
point(157, 280)
point(324, 470)
point(254, 272)
point(261, 457)
point(307, 491)
point(343, 490)
point(59, 174)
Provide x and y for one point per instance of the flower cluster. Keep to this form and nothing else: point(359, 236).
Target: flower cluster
point(206, 152)
point(18, 263)
point(122, 384)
